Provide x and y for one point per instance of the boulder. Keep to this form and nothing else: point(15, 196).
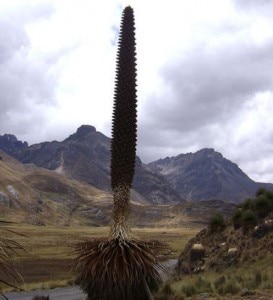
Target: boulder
point(197, 252)
point(232, 252)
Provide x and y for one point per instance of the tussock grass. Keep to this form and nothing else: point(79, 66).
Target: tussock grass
point(9, 249)
point(232, 281)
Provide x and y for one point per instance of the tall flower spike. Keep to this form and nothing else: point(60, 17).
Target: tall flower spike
point(124, 127)
point(121, 267)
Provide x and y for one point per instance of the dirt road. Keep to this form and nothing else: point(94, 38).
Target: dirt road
point(69, 293)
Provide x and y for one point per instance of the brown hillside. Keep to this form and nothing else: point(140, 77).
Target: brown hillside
point(39, 196)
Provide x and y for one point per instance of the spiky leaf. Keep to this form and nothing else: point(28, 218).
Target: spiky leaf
point(110, 269)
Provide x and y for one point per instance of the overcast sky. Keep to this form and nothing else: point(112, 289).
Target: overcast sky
point(205, 74)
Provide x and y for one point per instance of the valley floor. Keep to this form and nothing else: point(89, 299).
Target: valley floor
point(48, 258)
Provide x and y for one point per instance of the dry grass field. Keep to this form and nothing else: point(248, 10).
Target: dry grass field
point(48, 258)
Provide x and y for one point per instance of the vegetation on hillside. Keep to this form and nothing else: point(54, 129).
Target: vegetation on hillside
point(216, 223)
point(252, 212)
point(237, 255)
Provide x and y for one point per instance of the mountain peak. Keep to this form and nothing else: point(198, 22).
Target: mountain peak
point(204, 175)
point(85, 130)
point(82, 132)
point(10, 138)
point(206, 150)
point(209, 152)
point(10, 144)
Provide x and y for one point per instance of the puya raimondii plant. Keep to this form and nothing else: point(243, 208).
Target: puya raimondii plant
point(121, 267)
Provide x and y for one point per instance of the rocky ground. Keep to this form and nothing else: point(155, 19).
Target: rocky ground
point(226, 248)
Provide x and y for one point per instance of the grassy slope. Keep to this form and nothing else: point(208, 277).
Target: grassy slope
point(255, 280)
point(248, 275)
point(45, 197)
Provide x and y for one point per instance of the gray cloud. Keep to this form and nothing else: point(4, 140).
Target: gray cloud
point(27, 83)
point(204, 99)
point(20, 12)
point(209, 87)
point(263, 5)
point(13, 44)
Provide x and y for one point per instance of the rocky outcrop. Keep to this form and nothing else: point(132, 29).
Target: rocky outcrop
point(197, 252)
point(4, 199)
point(10, 145)
point(263, 229)
point(154, 186)
point(13, 191)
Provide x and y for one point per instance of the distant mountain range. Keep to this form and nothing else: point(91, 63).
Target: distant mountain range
point(85, 156)
point(37, 196)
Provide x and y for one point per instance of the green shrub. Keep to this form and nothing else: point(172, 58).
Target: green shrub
point(166, 289)
point(269, 195)
point(267, 284)
point(262, 206)
point(189, 290)
point(202, 285)
point(229, 287)
point(237, 218)
point(247, 204)
point(219, 282)
point(249, 220)
point(164, 293)
point(216, 223)
point(258, 278)
point(260, 191)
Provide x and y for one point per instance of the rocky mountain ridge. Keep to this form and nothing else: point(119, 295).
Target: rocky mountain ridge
point(205, 174)
point(85, 156)
point(37, 196)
